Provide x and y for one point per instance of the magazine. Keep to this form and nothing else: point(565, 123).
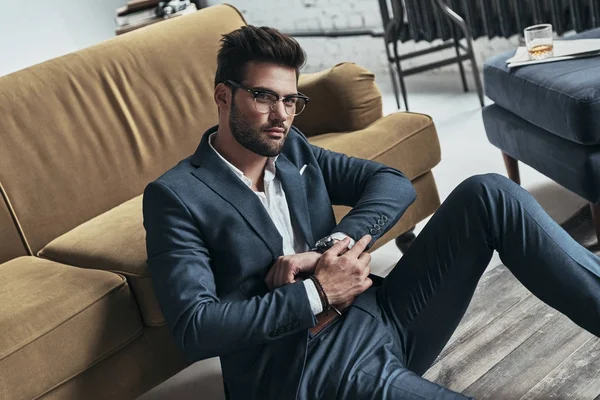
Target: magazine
point(563, 50)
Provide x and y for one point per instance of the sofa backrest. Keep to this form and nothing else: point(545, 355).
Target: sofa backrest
point(84, 132)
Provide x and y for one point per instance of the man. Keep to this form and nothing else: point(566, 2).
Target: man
point(249, 265)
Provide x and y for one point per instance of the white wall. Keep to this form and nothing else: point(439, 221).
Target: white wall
point(33, 31)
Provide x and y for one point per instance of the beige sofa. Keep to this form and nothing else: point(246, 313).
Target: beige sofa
point(80, 137)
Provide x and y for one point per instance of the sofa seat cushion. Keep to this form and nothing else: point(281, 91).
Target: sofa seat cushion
point(57, 321)
point(561, 97)
point(113, 241)
point(405, 141)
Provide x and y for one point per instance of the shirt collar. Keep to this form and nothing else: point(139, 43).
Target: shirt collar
point(270, 168)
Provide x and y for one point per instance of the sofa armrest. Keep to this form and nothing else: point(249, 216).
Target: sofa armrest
point(342, 98)
point(403, 140)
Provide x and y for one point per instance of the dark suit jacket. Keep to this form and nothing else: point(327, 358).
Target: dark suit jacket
point(210, 243)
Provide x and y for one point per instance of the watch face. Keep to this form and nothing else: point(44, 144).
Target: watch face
point(325, 243)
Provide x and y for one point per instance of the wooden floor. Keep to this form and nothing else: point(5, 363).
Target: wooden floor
point(510, 345)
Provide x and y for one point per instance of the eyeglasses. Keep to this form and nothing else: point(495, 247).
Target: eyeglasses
point(265, 100)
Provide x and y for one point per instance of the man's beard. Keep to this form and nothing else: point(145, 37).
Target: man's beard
point(255, 140)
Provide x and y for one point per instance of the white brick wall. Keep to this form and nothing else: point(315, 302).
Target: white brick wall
point(314, 15)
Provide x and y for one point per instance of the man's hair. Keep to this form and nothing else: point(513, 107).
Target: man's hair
point(256, 44)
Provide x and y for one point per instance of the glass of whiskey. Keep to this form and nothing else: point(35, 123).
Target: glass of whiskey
point(539, 40)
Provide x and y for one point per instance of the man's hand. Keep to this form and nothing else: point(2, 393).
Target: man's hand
point(345, 274)
point(286, 268)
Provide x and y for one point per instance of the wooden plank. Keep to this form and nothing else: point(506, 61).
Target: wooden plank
point(497, 292)
point(578, 377)
point(482, 351)
point(532, 360)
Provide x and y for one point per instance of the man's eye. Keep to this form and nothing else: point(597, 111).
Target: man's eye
point(264, 97)
point(291, 101)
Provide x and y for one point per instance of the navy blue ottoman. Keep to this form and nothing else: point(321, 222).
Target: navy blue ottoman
point(548, 116)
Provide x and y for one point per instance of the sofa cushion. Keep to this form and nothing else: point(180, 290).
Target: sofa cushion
point(405, 141)
point(561, 97)
point(113, 241)
point(342, 98)
point(57, 321)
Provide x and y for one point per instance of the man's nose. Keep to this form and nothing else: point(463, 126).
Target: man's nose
point(278, 111)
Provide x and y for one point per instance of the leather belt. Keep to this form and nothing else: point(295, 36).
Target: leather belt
point(325, 319)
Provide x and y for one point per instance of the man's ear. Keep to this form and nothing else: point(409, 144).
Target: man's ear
point(222, 96)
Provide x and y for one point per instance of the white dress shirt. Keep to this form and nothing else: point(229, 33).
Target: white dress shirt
point(275, 202)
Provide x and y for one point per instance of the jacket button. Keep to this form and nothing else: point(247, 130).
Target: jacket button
point(384, 218)
point(380, 222)
point(373, 231)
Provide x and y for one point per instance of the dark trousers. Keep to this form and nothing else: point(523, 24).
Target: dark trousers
point(425, 296)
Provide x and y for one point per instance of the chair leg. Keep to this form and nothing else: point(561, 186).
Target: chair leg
point(392, 74)
point(395, 85)
point(512, 168)
point(404, 241)
point(596, 219)
point(460, 63)
point(475, 68)
point(400, 75)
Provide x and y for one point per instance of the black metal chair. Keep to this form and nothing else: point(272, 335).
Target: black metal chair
point(434, 14)
point(427, 20)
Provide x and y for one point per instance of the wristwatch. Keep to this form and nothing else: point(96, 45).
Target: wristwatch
point(327, 242)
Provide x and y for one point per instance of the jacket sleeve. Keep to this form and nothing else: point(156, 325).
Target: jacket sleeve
point(182, 275)
point(379, 195)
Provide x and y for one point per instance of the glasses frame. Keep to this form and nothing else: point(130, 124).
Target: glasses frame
point(255, 93)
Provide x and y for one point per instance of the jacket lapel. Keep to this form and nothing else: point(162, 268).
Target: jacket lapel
point(295, 193)
point(216, 175)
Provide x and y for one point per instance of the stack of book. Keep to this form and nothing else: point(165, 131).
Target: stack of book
point(139, 13)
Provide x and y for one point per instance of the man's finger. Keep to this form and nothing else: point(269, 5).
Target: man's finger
point(359, 247)
point(367, 271)
point(339, 247)
point(365, 258)
point(269, 278)
point(289, 277)
point(277, 275)
point(281, 277)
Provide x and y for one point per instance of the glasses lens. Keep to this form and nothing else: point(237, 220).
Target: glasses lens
point(264, 102)
point(295, 105)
